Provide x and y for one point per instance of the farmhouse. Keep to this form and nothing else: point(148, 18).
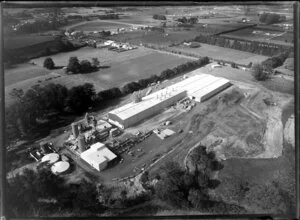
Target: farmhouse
point(98, 156)
point(199, 87)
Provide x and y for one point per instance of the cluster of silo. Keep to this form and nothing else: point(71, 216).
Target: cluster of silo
point(75, 130)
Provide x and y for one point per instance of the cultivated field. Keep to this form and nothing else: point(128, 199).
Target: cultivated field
point(279, 37)
point(156, 38)
point(222, 53)
point(19, 41)
point(97, 25)
point(22, 76)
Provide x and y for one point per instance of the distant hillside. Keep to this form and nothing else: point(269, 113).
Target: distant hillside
point(23, 48)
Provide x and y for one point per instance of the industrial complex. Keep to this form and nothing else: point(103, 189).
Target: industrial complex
point(92, 139)
point(199, 87)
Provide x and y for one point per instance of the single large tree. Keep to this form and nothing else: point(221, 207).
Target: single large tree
point(261, 72)
point(85, 66)
point(48, 63)
point(95, 62)
point(73, 65)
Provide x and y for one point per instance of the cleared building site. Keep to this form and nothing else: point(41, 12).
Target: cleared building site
point(199, 87)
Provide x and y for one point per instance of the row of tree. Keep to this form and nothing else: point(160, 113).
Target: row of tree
point(243, 45)
point(191, 20)
point(74, 66)
point(84, 66)
point(159, 17)
point(271, 18)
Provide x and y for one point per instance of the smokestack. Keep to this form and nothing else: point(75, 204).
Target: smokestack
point(75, 130)
point(81, 143)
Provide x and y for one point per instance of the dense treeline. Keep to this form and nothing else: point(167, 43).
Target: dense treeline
point(276, 61)
point(159, 17)
point(42, 193)
point(271, 18)
point(38, 102)
point(267, 49)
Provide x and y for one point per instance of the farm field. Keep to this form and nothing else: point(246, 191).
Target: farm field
point(222, 53)
point(19, 41)
point(97, 25)
point(262, 37)
point(21, 72)
point(155, 38)
point(135, 18)
point(121, 67)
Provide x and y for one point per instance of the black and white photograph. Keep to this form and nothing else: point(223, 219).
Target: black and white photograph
point(121, 109)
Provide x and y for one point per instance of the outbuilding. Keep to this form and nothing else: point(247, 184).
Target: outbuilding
point(98, 156)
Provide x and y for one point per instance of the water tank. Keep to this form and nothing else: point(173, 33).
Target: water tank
point(75, 130)
point(81, 143)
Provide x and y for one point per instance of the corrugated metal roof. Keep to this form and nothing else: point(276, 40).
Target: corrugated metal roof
point(201, 92)
point(98, 154)
point(149, 101)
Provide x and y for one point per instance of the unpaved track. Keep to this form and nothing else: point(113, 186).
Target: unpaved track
point(289, 131)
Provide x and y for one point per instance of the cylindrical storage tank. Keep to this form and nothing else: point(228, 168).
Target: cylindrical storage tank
point(51, 158)
point(81, 143)
point(60, 167)
point(75, 130)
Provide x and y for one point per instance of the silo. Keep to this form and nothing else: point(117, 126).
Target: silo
point(43, 148)
point(81, 143)
point(75, 130)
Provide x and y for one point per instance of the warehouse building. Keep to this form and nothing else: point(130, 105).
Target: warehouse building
point(150, 105)
point(199, 87)
point(98, 156)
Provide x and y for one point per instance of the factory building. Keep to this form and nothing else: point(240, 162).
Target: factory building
point(98, 156)
point(199, 87)
point(150, 105)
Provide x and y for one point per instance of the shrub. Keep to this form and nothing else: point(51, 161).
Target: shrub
point(130, 87)
point(48, 63)
point(136, 97)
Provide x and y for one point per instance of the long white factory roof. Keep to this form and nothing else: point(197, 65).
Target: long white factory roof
point(131, 109)
point(98, 154)
point(220, 82)
point(194, 86)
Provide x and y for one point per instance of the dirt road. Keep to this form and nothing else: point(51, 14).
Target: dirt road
point(289, 131)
